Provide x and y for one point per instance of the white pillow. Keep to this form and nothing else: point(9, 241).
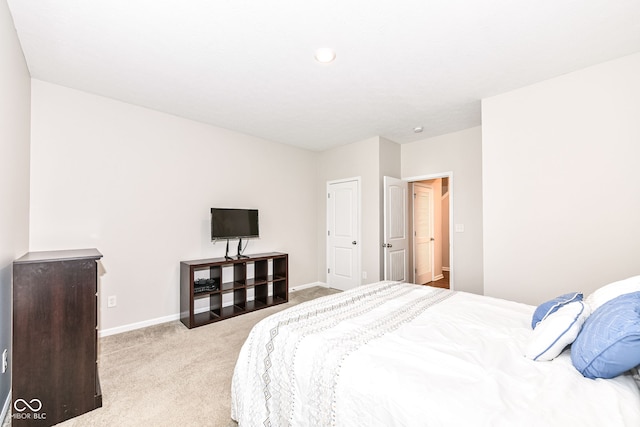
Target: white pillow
point(557, 331)
point(613, 290)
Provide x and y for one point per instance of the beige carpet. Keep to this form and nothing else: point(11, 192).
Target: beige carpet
point(168, 375)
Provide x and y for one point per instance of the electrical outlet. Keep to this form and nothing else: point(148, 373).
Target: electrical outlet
point(364, 274)
point(5, 361)
point(112, 301)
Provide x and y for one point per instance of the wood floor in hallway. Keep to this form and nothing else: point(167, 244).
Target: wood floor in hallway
point(442, 283)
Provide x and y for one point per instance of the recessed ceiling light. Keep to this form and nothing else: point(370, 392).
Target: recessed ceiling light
point(418, 129)
point(325, 55)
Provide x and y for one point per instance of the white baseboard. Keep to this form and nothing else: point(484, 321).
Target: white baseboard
point(306, 286)
point(138, 325)
point(172, 317)
point(5, 407)
point(438, 277)
point(445, 268)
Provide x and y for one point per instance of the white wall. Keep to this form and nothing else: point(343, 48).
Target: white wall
point(359, 159)
point(138, 185)
point(363, 159)
point(15, 87)
point(460, 153)
point(444, 226)
point(390, 165)
point(562, 183)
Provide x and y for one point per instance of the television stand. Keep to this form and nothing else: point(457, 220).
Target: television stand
point(234, 280)
point(226, 252)
point(240, 249)
point(238, 255)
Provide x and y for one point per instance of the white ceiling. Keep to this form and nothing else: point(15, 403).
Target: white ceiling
point(248, 65)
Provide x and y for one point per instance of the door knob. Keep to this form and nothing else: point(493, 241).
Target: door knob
point(432, 239)
point(386, 245)
point(353, 243)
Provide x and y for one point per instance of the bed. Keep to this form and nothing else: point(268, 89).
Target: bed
point(397, 354)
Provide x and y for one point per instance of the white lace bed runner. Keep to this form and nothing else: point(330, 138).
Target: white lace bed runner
point(265, 390)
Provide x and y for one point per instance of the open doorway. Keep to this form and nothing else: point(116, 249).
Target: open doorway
point(430, 233)
point(402, 237)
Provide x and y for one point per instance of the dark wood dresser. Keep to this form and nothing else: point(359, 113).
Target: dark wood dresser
point(55, 313)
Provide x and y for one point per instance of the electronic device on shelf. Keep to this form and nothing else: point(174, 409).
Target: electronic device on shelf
point(205, 285)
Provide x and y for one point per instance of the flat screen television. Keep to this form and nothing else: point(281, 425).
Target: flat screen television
point(234, 223)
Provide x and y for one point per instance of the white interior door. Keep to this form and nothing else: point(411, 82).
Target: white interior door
point(423, 239)
point(343, 221)
point(396, 241)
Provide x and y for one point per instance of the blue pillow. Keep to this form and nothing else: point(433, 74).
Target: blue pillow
point(557, 331)
point(609, 342)
point(546, 308)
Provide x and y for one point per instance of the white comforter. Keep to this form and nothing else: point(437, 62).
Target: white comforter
point(394, 354)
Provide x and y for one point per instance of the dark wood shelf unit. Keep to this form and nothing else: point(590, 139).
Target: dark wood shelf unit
point(55, 313)
point(269, 282)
